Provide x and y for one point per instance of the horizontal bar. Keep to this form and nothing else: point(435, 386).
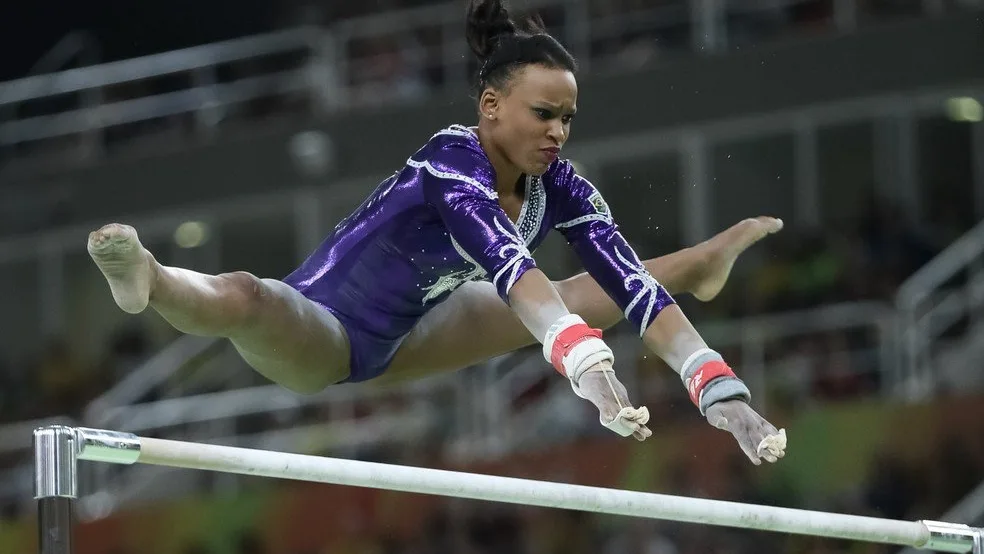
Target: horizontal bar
point(523, 491)
point(151, 107)
point(186, 59)
point(799, 322)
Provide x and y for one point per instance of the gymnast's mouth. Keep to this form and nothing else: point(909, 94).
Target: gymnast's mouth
point(551, 153)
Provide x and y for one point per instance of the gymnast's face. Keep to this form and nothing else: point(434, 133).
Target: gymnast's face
point(530, 120)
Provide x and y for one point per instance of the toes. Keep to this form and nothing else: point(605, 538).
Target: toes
point(774, 224)
point(109, 236)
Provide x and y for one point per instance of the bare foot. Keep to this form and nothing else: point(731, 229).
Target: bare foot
point(725, 247)
point(125, 263)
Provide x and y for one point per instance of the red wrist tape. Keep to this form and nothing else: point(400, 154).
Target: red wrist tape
point(706, 373)
point(568, 339)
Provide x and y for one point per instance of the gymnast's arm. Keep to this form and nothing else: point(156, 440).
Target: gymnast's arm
point(713, 387)
point(477, 223)
point(536, 302)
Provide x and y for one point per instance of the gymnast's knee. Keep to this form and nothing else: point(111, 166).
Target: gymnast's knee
point(246, 295)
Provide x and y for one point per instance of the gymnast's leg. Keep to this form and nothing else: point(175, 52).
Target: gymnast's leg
point(280, 333)
point(474, 324)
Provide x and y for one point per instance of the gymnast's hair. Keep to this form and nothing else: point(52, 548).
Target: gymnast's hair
point(503, 46)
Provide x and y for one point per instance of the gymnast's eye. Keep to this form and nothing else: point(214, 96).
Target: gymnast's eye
point(543, 114)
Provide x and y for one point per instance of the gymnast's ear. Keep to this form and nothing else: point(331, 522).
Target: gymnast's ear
point(488, 103)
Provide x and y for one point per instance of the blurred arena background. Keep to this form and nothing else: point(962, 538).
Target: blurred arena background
point(235, 135)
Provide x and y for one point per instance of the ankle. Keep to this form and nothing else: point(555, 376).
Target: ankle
point(156, 273)
point(702, 260)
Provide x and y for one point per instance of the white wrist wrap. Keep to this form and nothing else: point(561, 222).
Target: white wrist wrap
point(583, 353)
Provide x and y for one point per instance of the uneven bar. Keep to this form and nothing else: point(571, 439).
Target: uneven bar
point(99, 445)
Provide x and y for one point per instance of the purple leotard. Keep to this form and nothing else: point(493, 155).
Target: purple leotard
point(436, 224)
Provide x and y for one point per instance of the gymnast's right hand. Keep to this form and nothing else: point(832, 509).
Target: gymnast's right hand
point(578, 352)
point(602, 388)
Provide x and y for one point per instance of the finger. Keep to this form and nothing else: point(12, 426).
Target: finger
point(749, 450)
point(774, 444)
point(637, 420)
point(627, 422)
point(640, 417)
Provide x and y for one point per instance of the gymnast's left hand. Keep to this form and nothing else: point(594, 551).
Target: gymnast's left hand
point(758, 438)
point(601, 387)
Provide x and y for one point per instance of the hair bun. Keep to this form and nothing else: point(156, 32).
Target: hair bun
point(487, 21)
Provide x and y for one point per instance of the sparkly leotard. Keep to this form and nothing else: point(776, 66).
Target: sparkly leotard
point(436, 224)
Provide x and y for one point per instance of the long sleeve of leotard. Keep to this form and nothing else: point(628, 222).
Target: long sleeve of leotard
point(586, 222)
point(460, 183)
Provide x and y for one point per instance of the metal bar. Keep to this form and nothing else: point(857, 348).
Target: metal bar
point(74, 80)
point(55, 487)
point(977, 148)
point(806, 202)
point(112, 447)
point(696, 183)
point(150, 107)
point(908, 159)
point(56, 517)
point(958, 255)
point(647, 143)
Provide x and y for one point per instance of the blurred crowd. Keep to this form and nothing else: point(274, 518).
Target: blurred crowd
point(625, 35)
point(863, 260)
point(58, 382)
point(409, 64)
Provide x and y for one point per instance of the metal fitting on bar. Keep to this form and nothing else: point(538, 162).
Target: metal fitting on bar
point(55, 455)
point(951, 537)
point(98, 445)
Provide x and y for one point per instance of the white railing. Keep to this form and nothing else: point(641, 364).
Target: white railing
point(205, 95)
point(150, 375)
point(330, 71)
point(945, 292)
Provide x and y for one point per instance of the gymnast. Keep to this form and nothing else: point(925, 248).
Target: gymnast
point(433, 271)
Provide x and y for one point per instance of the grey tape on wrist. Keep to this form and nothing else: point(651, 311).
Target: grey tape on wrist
point(723, 388)
point(696, 360)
